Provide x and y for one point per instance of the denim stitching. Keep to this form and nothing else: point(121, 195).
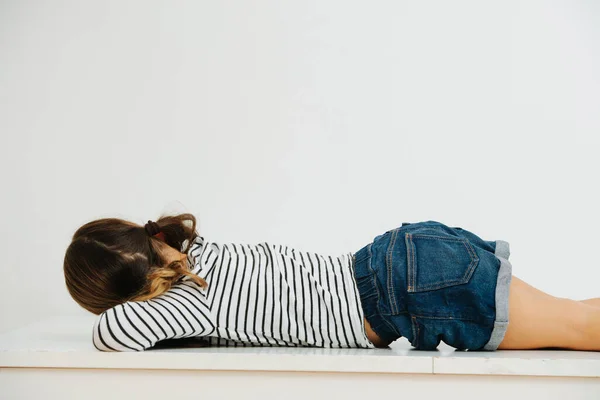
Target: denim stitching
point(467, 275)
point(410, 262)
point(372, 275)
point(373, 278)
point(390, 283)
point(452, 238)
point(448, 318)
point(414, 262)
point(373, 282)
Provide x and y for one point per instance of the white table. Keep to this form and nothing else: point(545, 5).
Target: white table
point(55, 358)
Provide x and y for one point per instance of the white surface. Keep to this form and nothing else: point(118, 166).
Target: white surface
point(525, 363)
point(127, 384)
point(314, 123)
point(64, 342)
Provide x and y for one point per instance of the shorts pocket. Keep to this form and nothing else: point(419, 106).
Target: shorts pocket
point(436, 261)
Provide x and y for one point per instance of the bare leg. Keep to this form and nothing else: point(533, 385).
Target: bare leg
point(592, 302)
point(539, 320)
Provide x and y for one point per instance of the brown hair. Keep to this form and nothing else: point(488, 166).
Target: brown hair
point(111, 261)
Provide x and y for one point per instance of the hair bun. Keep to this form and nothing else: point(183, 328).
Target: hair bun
point(152, 228)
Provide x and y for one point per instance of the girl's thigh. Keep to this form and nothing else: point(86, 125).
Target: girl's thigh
point(539, 320)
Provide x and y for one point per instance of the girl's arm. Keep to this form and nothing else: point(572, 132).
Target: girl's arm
point(137, 326)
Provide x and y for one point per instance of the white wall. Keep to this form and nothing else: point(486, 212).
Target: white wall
point(318, 124)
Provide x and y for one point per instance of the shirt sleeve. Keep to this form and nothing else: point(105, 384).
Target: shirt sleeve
point(137, 326)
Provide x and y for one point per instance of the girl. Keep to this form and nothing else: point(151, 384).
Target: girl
point(425, 281)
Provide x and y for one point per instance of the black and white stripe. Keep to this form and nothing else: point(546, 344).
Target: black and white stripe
point(257, 295)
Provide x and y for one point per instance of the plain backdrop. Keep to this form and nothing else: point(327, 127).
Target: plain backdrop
point(316, 124)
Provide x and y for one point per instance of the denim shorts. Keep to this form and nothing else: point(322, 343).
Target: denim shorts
point(429, 282)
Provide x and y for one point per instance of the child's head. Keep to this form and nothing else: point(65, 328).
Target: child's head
point(111, 261)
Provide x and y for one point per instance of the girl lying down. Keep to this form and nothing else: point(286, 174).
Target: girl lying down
point(164, 285)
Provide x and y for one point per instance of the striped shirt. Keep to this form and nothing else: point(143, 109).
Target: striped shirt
point(257, 295)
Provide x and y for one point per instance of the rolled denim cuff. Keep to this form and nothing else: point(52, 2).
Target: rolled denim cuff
point(502, 291)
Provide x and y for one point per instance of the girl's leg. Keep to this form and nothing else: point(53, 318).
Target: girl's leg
point(539, 320)
point(592, 302)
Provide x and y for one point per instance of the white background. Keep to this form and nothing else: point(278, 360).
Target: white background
point(317, 124)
